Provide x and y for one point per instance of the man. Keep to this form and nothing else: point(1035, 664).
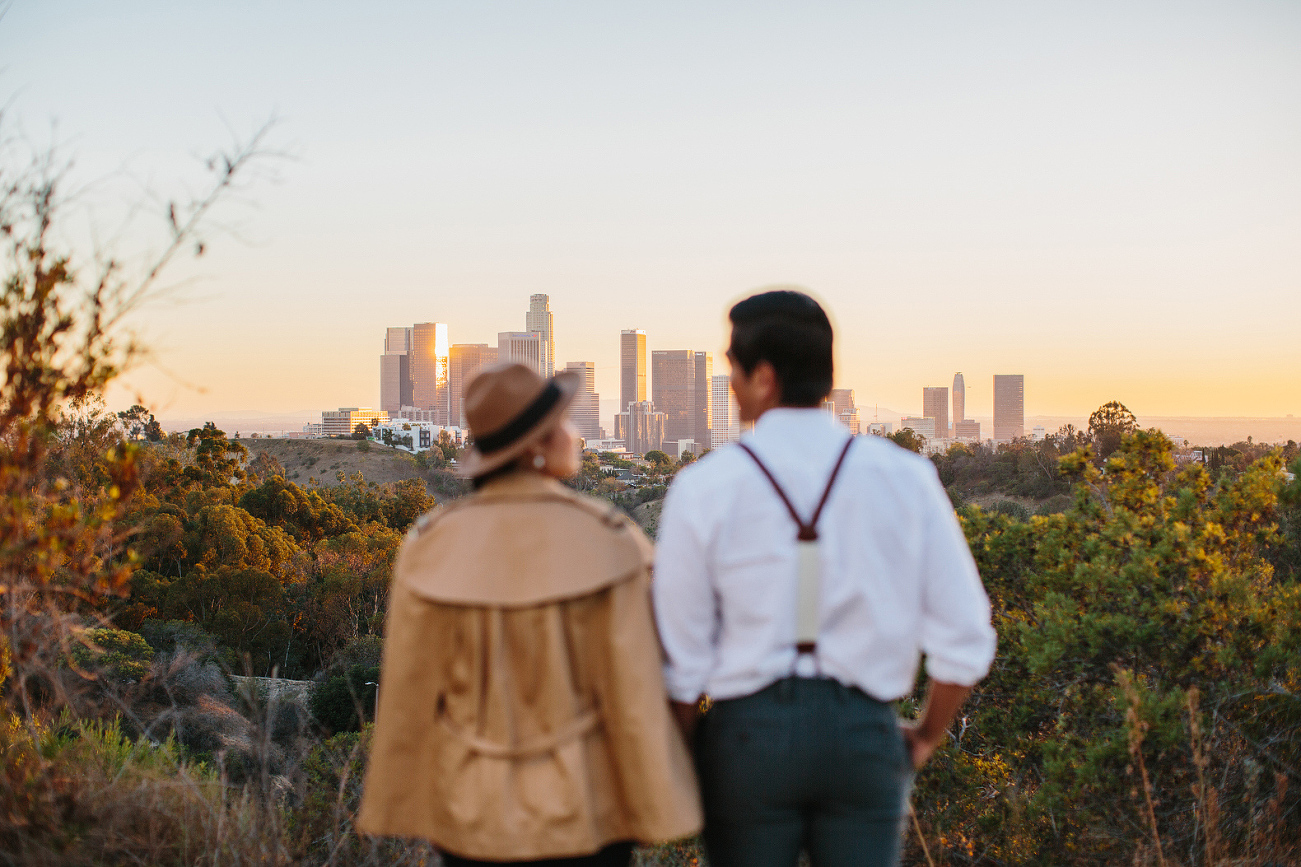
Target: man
point(803, 643)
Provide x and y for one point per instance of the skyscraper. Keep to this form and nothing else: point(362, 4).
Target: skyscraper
point(842, 399)
point(539, 321)
point(430, 368)
point(395, 382)
point(467, 359)
point(640, 427)
point(1009, 407)
point(584, 411)
point(935, 404)
point(702, 417)
point(680, 388)
point(724, 417)
point(520, 347)
point(632, 367)
point(959, 402)
point(843, 409)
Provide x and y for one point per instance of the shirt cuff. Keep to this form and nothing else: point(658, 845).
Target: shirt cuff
point(962, 673)
point(682, 689)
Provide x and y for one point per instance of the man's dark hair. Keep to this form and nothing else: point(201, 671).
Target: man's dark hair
point(790, 331)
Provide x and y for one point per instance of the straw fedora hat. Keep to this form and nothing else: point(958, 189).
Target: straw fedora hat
point(508, 408)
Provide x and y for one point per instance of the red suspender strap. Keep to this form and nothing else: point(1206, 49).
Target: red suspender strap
point(807, 532)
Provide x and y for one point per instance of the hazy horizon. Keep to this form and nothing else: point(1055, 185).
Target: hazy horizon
point(1104, 198)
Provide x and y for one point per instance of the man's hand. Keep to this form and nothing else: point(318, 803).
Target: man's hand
point(924, 736)
point(687, 715)
point(920, 747)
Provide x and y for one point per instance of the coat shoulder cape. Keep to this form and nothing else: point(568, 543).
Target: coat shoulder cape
point(514, 544)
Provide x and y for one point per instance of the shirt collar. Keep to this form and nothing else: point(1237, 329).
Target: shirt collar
point(785, 420)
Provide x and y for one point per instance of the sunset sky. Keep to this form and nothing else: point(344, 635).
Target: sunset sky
point(1105, 197)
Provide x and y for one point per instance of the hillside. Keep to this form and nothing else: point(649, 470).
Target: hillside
point(324, 461)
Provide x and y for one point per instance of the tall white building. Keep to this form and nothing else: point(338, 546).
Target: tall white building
point(725, 419)
point(520, 347)
point(584, 411)
point(539, 321)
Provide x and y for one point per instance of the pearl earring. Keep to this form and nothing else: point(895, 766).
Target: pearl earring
point(539, 462)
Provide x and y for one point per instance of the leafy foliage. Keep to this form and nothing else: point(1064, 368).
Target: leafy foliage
point(1149, 607)
point(343, 702)
point(909, 439)
point(1108, 425)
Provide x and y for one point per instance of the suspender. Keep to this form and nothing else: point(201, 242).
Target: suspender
point(808, 591)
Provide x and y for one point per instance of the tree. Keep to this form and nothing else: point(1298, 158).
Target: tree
point(139, 423)
point(345, 701)
point(446, 445)
point(659, 459)
point(360, 432)
point(62, 343)
point(909, 439)
point(1108, 426)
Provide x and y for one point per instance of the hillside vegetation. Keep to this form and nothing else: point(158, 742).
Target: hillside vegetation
point(330, 462)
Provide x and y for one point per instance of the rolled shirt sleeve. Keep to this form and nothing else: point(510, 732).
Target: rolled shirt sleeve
point(686, 606)
point(957, 637)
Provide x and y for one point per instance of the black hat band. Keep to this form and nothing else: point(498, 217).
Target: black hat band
point(521, 424)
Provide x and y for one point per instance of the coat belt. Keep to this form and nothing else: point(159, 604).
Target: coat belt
point(579, 726)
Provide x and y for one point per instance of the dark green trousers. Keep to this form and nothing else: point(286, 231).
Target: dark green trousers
point(803, 764)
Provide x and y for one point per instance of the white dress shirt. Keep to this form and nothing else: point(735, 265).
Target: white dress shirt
point(897, 576)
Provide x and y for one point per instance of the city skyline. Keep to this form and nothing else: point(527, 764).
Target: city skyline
point(1106, 198)
point(687, 402)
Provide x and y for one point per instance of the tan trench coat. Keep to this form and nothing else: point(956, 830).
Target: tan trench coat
point(522, 709)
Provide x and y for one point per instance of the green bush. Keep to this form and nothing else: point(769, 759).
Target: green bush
point(343, 702)
point(119, 654)
point(1144, 643)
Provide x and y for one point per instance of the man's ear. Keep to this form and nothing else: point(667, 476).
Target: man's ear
point(767, 385)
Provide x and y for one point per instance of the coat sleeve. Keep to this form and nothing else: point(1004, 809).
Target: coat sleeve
point(650, 758)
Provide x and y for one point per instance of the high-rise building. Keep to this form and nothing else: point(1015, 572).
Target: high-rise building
point(520, 347)
point(680, 388)
point(704, 399)
point(921, 425)
point(585, 409)
point(841, 404)
point(842, 399)
point(467, 359)
point(935, 404)
point(725, 417)
point(967, 430)
point(395, 376)
point(539, 321)
point(959, 402)
point(640, 427)
point(430, 368)
point(1009, 407)
point(632, 367)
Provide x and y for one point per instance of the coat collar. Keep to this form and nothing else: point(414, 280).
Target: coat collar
point(522, 539)
point(521, 485)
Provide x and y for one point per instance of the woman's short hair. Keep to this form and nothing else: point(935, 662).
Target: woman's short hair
point(790, 331)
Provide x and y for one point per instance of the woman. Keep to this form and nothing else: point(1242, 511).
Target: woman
point(522, 713)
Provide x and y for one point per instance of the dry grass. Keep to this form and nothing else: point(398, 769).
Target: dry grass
point(322, 461)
